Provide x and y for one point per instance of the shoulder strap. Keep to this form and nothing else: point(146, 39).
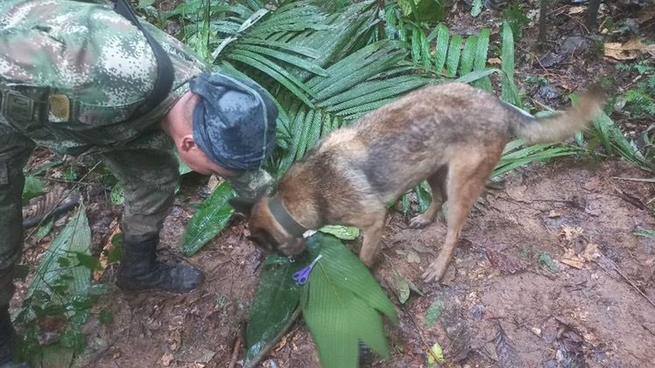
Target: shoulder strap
point(165, 72)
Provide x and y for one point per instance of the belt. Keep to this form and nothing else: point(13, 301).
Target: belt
point(24, 107)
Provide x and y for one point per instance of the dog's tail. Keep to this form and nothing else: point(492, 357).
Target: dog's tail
point(562, 125)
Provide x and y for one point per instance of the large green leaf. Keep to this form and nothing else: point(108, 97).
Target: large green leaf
point(273, 306)
point(516, 155)
point(509, 91)
point(454, 53)
point(60, 275)
point(343, 306)
point(443, 36)
point(209, 220)
point(481, 58)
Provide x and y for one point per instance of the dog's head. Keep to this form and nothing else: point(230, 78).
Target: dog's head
point(265, 230)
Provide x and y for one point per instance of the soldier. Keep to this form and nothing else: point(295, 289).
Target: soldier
point(80, 78)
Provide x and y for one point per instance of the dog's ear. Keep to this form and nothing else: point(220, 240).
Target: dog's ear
point(242, 205)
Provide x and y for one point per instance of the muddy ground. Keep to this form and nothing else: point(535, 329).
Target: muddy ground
point(581, 310)
point(548, 272)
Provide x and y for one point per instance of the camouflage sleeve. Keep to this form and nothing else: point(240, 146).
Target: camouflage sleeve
point(84, 50)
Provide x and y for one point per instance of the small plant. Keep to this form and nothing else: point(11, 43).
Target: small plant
point(640, 101)
point(515, 16)
point(60, 298)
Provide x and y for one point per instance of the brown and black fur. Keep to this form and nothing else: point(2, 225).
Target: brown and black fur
point(451, 134)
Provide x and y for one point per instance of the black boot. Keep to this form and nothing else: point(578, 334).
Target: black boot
point(140, 269)
point(7, 341)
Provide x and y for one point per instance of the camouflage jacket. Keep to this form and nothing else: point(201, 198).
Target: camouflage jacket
point(87, 68)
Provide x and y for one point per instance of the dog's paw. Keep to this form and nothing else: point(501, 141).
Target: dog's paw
point(419, 222)
point(434, 273)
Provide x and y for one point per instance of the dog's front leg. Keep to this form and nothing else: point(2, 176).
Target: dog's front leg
point(372, 232)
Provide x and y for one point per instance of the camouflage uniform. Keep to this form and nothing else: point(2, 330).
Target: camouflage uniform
point(86, 69)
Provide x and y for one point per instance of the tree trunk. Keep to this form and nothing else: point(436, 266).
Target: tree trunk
point(592, 15)
point(543, 9)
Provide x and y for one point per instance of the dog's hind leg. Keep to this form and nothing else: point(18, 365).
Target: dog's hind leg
point(439, 195)
point(467, 176)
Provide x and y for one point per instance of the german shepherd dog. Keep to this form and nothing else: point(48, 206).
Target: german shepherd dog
point(450, 134)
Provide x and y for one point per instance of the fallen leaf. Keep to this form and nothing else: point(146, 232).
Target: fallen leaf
point(554, 213)
point(433, 313)
point(591, 252)
point(421, 248)
point(435, 355)
point(545, 259)
point(166, 359)
point(570, 233)
point(576, 10)
point(629, 50)
point(505, 263)
point(402, 288)
point(571, 259)
point(413, 257)
point(115, 229)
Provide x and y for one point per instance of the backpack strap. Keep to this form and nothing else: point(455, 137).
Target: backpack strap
point(165, 72)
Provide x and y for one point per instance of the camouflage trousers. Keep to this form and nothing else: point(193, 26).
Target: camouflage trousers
point(149, 174)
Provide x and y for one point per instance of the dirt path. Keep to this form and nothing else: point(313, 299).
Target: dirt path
point(551, 314)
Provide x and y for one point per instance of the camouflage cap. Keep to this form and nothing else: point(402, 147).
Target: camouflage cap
point(233, 121)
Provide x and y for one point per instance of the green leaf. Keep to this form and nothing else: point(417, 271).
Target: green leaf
point(454, 52)
point(105, 317)
point(416, 46)
point(477, 75)
point(276, 72)
point(116, 251)
point(32, 188)
point(88, 261)
point(423, 195)
point(480, 62)
point(73, 339)
point(46, 166)
point(341, 232)
point(291, 59)
point(509, 91)
point(275, 301)
point(433, 313)
point(80, 303)
point(43, 230)
point(545, 259)
point(209, 220)
point(468, 55)
point(117, 195)
point(435, 354)
point(404, 287)
point(343, 306)
point(74, 239)
point(54, 356)
point(645, 233)
point(426, 58)
point(476, 8)
point(442, 47)
point(21, 271)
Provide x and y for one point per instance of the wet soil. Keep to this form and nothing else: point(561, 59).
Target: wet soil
point(550, 260)
point(548, 272)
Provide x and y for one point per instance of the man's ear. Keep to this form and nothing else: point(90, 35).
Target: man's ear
point(242, 205)
point(187, 143)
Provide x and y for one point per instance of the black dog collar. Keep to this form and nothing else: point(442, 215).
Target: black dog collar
point(283, 217)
